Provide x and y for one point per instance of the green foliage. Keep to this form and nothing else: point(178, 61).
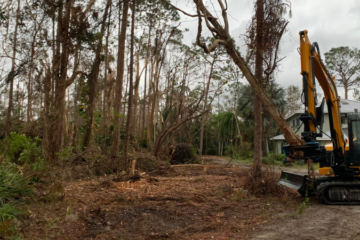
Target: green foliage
point(273, 158)
point(12, 183)
point(64, 153)
point(343, 59)
point(245, 155)
point(7, 212)
point(104, 141)
point(229, 149)
point(246, 100)
point(143, 143)
point(13, 186)
point(166, 112)
point(25, 151)
point(3, 15)
point(302, 206)
point(344, 64)
point(220, 130)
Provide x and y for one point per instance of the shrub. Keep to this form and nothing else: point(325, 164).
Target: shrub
point(12, 183)
point(143, 143)
point(25, 151)
point(13, 187)
point(273, 158)
point(182, 154)
point(245, 155)
point(229, 150)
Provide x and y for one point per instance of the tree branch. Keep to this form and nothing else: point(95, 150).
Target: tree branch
point(215, 44)
point(187, 14)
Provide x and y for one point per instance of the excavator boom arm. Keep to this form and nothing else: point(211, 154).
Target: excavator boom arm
point(311, 67)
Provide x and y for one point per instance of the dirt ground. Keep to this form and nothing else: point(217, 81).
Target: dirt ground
point(318, 222)
point(218, 160)
point(184, 202)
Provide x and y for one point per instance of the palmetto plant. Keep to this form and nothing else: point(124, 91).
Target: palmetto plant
point(12, 187)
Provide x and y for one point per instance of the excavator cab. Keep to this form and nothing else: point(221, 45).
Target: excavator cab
point(354, 139)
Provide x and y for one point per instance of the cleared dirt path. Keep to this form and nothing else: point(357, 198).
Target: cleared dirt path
point(219, 160)
point(317, 221)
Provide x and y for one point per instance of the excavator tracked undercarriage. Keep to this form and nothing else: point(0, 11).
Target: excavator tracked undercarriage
point(338, 181)
point(327, 189)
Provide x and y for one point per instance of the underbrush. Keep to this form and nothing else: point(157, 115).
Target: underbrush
point(274, 159)
point(265, 184)
point(21, 159)
point(248, 158)
point(14, 188)
point(183, 154)
point(24, 151)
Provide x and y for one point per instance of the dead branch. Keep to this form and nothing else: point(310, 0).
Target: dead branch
point(187, 14)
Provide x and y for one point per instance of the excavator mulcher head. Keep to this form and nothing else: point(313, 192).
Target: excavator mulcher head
point(294, 181)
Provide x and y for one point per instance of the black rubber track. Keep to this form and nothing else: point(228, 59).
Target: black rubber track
point(321, 192)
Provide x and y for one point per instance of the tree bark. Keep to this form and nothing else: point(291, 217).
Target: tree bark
point(138, 76)
point(346, 90)
point(150, 97)
point(61, 79)
point(205, 105)
point(93, 81)
point(106, 71)
point(47, 87)
point(136, 88)
point(144, 107)
point(259, 55)
point(129, 115)
point(12, 75)
point(29, 87)
point(119, 80)
point(110, 96)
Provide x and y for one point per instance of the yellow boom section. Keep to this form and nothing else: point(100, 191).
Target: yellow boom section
point(305, 56)
point(329, 87)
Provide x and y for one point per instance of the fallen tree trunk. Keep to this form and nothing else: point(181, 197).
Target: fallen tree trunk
point(222, 37)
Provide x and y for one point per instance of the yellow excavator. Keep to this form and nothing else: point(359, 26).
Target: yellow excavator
point(339, 164)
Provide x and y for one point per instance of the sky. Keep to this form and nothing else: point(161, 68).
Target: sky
point(331, 23)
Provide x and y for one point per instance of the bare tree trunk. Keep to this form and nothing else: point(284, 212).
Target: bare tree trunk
point(106, 70)
point(129, 115)
point(119, 80)
point(62, 81)
point(136, 99)
point(346, 89)
point(29, 87)
point(138, 75)
point(155, 96)
point(47, 87)
point(259, 55)
point(144, 108)
point(125, 98)
point(205, 106)
point(110, 97)
point(93, 81)
point(150, 97)
point(12, 75)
